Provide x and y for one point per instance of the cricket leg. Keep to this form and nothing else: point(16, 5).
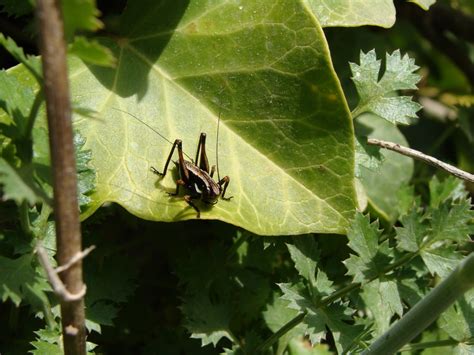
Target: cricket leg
point(213, 170)
point(201, 156)
point(177, 143)
point(190, 202)
point(225, 182)
point(178, 184)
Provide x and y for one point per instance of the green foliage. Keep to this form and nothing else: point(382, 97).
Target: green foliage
point(91, 52)
point(80, 15)
point(286, 141)
point(19, 277)
point(377, 95)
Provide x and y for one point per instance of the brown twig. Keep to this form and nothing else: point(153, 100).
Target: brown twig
point(53, 278)
point(412, 153)
point(66, 211)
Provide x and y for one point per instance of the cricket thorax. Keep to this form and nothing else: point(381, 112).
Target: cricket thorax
point(202, 182)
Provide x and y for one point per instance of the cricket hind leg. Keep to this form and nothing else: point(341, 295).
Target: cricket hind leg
point(224, 182)
point(201, 157)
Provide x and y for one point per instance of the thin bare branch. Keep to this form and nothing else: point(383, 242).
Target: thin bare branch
point(412, 153)
point(79, 256)
point(53, 278)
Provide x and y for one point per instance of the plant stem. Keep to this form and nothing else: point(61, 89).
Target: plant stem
point(427, 310)
point(66, 211)
point(423, 157)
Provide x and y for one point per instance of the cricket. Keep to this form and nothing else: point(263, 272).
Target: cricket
point(196, 176)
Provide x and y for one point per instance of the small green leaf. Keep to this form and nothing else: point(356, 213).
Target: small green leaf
point(16, 275)
point(92, 52)
point(18, 184)
point(372, 257)
point(206, 320)
point(452, 221)
point(441, 261)
point(305, 255)
point(80, 15)
point(411, 235)
point(450, 188)
point(32, 63)
point(383, 300)
point(458, 320)
point(100, 313)
point(16, 100)
point(377, 96)
point(45, 348)
point(276, 315)
point(364, 236)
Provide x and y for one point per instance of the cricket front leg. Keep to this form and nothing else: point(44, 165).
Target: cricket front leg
point(224, 182)
point(190, 202)
point(178, 184)
point(177, 143)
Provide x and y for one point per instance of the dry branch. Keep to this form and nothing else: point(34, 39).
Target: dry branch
point(423, 157)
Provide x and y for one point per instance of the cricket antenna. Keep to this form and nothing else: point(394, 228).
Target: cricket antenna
point(217, 145)
point(150, 127)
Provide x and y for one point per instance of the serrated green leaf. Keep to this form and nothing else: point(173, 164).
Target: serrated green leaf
point(407, 200)
point(18, 184)
point(332, 318)
point(451, 221)
point(364, 236)
point(450, 188)
point(32, 63)
point(276, 315)
point(205, 320)
point(16, 100)
point(16, 275)
point(318, 319)
point(441, 261)
point(396, 170)
point(100, 313)
point(458, 320)
point(297, 295)
point(80, 15)
point(377, 96)
point(305, 255)
point(351, 13)
point(45, 348)
point(383, 300)
point(92, 52)
point(286, 138)
point(411, 235)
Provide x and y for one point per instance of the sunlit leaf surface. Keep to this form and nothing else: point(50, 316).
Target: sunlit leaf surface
point(286, 139)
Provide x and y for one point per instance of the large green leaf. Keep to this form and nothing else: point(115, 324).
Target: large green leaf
point(286, 138)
